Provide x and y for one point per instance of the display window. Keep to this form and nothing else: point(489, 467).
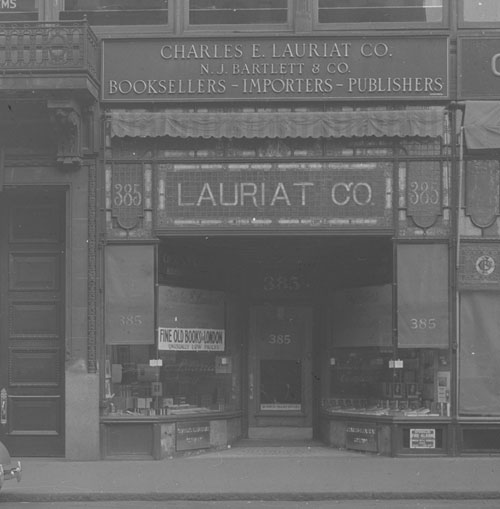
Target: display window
point(141, 381)
point(188, 360)
point(479, 383)
point(378, 381)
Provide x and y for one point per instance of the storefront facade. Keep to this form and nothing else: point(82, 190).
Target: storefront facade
point(288, 235)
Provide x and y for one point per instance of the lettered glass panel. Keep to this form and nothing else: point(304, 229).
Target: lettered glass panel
point(18, 10)
point(380, 11)
point(34, 415)
point(422, 295)
point(117, 12)
point(33, 271)
point(238, 12)
point(34, 319)
point(34, 367)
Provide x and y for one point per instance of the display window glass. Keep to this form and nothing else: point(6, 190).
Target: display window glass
point(193, 365)
point(142, 382)
point(380, 381)
point(479, 383)
point(380, 11)
point(238, 12)
point(117, 12)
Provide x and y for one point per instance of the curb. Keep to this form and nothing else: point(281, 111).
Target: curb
point(267, 497)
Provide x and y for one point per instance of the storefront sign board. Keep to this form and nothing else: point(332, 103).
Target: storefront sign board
point(287, 196)
point(341, 68)
point(422, 438)
point(192, 435)
point(17, 5)
point(361, 436)
point(479, 68)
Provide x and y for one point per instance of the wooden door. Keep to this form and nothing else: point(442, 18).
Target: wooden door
point(32, 308)
point(280, 367)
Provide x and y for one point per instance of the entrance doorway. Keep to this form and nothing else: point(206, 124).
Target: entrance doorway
point(280, 372)
point(32, 326)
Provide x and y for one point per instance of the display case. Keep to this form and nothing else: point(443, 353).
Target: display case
point(376, 381)
point(142, 382)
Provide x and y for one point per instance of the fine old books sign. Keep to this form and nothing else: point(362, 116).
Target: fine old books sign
point(272, 68)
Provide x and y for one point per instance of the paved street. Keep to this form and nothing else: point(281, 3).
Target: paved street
point(352, 504)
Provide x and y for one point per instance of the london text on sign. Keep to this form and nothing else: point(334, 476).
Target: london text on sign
point(324, 195)
point(218, 69)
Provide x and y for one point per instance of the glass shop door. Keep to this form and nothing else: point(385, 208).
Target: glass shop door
point(280, 367)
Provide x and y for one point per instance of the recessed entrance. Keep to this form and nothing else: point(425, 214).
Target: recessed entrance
point(281, 291)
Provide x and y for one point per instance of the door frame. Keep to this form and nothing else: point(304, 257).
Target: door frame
point(280, 422)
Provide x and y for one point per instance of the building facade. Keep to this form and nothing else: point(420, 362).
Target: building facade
point(249, 219)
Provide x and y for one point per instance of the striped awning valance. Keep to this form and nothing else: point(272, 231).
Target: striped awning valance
point(401, 123)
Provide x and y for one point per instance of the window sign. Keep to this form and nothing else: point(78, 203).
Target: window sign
point(422, 295)
point(421, 438)
point(129, 290)
point(332, 195)
point(190, 319)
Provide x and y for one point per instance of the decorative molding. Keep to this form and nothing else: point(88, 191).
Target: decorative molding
point(424, 192)
point(92, 270)
point(67, 123)
point(479, 266)
point(482, 192)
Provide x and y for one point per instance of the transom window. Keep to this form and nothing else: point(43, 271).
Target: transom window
point(238, 12)
point(18, 10)
point(117, 12)
point(481, 11)
point(380, 11)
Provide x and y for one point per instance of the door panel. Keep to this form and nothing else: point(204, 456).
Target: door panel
point(280, 367)
point(32, 322)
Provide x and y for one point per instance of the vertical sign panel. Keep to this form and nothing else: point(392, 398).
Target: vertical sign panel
point(422, 296)
point(129, 295)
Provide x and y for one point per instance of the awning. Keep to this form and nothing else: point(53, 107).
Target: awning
point(401, 123)
point(482, 125)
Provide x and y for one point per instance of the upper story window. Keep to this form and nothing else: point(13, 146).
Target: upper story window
point(380, 11)
point(117, 12)
point(481, 11)
point(238, 12)
point(18, 10)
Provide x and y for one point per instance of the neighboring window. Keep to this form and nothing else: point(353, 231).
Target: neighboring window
point(481, 11)
point(117, 12)
point(380, 11)
point(18, 10)
point(238, 12)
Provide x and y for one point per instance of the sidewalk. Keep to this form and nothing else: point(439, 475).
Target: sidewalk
point(259, 473)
